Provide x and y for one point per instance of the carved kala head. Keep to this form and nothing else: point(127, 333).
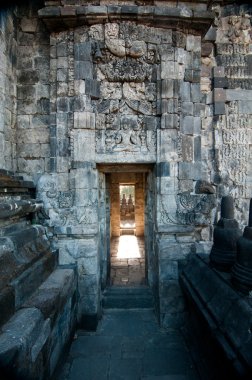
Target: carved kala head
point(111, 31)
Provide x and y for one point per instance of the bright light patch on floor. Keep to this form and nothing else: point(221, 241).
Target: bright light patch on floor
point(128, 247)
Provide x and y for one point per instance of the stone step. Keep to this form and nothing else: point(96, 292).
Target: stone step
point(41, 328)
point(127, 231)
point(14, 293)
point(117, 297)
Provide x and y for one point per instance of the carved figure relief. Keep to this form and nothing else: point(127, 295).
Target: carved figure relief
point(130, 136)
point(65, 199)
point(122, 47)
point(127, 88)
point(234, 155)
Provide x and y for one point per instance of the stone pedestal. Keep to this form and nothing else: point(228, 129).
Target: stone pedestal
point(242, 270)
point(226, 234)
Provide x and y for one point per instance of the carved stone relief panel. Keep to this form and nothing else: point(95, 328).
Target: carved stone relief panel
point(234, 136)
point(125, 133)
point(128, 90)
point(188, 209)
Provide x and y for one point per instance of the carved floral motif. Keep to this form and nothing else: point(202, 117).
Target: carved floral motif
point(194, 209)
point(126, 71)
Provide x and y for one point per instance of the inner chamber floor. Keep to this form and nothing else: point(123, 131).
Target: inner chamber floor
point(127, 261)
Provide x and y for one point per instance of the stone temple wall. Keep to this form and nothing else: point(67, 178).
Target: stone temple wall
point(8, 58)
point(165, 84)
point(33, 92)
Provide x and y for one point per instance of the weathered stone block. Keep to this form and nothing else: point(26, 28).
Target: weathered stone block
point(211, 34)
point(49, 11)
point(219, 108)
point(188, 125)
point(163, 169)
point(23, 121)
point(243, 95)
point(196, 94)
point(169, 121)
point(83, 178)
point(185, 185)
point(219, 95)
point(187, 148)
point(245, 107)
point(84, 120)
point(206, 49)
point(29, 280)
point(28, 25)
point(28, 77)
point(92, 88)
point(185, 91)
point(62, 50)
point(150, 123)
point(83, 70)
point(51, 296)
point(197, 148)
point(63, 104)
point(87, 266)
point(187, 108)
point(219, 82)
point(33, 136)
point(168, 270)
point(83, 145)
point(168, 148)
point(167, 88)
point(7, 303)
point(193, 43)
point(166, 106)
point(218, 72)
point(68, 11)
point(189, 170)
point(169, 70)
point(62, 75)
point(83, 51)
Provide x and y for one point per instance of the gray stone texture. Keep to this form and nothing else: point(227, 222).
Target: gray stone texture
point(65, 94)
point(38, 300)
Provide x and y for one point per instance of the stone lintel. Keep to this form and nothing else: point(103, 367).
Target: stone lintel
point(58, 17)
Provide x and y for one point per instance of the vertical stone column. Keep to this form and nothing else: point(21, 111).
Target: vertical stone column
point(139, 204)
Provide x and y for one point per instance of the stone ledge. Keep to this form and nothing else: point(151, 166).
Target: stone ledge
point(225, 312)
point(53, 293)
point(58, 17)
point(33, 339)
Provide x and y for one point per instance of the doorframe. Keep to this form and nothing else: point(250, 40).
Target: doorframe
point(123, 168)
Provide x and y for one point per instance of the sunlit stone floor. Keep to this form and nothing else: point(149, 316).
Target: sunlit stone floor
point(127, 260)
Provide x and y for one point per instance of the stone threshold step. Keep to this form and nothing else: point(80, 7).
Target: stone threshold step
point(127, 298)
point(127, 290)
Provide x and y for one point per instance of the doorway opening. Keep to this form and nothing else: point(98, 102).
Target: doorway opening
point(127, 252)
point(124, 257)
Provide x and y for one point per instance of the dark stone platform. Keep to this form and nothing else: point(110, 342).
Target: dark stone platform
point(221, 316)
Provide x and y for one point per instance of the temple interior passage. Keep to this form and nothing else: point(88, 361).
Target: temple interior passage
point(127, 260)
